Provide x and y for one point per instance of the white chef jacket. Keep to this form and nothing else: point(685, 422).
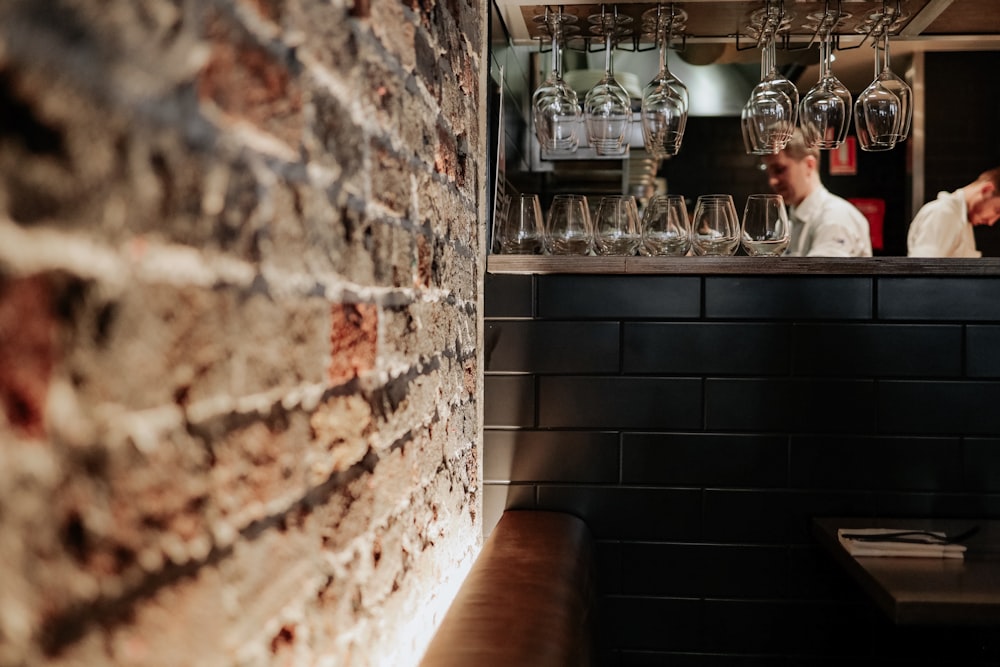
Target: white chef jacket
point(941, 228)
point(825, 225)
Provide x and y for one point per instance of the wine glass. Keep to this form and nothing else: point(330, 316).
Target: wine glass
point(555, 108)
point(666, 229)
point(616, 228)
point(877, 111)
point(521, 232)
point(665, 101)
point(765, 229)
point(607, 107)
point(769, 116)
point(899, 88)
point(715, 227)
point(568, 229)
point(825, 111)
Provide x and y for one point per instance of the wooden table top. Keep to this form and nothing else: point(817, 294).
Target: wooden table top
point(926, 591)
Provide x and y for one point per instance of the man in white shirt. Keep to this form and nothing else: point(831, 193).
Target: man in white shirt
point(943, 227)
point(822, 224)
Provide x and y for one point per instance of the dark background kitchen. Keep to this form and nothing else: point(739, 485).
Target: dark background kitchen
point(697, 422)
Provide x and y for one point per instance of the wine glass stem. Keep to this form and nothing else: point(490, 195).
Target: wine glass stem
point(826, 47)
point(556, 54)
point(607, 54)
point(665, 45)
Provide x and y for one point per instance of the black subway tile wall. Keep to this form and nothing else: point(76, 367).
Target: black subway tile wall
point(699, 423)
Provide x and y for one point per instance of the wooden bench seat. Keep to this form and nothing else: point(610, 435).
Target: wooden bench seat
point(529, 599)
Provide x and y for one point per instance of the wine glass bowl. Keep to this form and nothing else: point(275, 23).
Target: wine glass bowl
point(555, 107)
point(568, 228)
point(715, 227)
point(666, 228)
point(616, 227)
point(607, 107)
point(765, 229)
point(522, 230)
point(665, 99)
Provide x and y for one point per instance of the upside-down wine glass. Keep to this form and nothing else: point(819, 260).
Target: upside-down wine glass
point(898, 87)
point(877, 112)
point(665, 101)
point(555, 108)
point(825, 111)
point(666, 229)
point(769, 115)
point(607, 107)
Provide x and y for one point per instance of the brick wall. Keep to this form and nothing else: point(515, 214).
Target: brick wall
point(239, 342)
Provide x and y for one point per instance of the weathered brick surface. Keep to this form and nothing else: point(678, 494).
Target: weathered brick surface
point(239, 372)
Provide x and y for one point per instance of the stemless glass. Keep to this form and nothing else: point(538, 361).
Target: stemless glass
point(765, 229)
point(825, 111)
point(568, 229)
point(555, 108)
point(665, 101)
point(666, 229)
point(607, 108)
point(715, 227)
point(521, 232)
point(616, 228)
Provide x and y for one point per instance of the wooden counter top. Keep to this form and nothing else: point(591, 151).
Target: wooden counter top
point(542, 264)
point(926, 591)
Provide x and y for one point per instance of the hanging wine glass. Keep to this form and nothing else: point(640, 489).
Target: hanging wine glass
point(825, 111)
point(899, 88)
point(877, 112)
point(665, 101)
point(555, 107)
point(769, 115)
point(607, 107)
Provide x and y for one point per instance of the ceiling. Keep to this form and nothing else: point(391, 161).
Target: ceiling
point(722, 31)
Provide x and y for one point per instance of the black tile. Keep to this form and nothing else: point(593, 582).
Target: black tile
point(704, 459)
point(550, 456)
point(700, 659)
point(982, 464)
point(551, 347)
point(973, 299)
point(782, 405)
point(813, 574)
point(500, 497)
point(969, 505)
point(890, 463)
point(703, 570)
point(619, 402)
point(508, 295)
point(982, 349)
point(594, 296)
point(509, 400)
point(869, 350)
point(619, 513)
point(609, 567)
point(706, 347)
point(652, 623)
point(774, 517)
point(939, 408)
point(788, 297)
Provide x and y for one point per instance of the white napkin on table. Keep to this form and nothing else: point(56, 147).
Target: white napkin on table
point(926, 545)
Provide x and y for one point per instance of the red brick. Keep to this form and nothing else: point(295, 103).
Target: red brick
point(27, 351)
point(353, 340)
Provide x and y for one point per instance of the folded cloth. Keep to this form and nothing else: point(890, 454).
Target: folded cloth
point(898, 542)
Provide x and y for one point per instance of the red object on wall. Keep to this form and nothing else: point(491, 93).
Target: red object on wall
point(874, 210)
